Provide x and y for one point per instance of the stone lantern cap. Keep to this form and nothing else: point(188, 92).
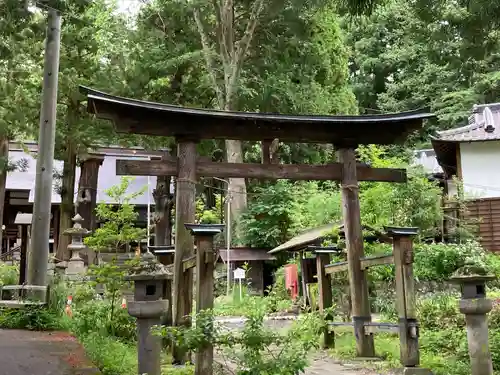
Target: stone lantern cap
point(471, 274)
point(472, 279)
point(205, 229)
point(149, 269)
point(401, 231)
point(77, 228)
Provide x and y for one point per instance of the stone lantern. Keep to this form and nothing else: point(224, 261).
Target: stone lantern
point(148, 307)
point(476, 306)
point(76, 264)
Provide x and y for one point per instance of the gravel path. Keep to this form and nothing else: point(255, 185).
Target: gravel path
point(42, 353)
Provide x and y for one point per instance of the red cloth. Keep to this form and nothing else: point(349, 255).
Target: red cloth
point(292, 280)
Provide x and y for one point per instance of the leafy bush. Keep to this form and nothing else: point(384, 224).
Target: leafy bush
point(118, 228)
point(440, 312)
point(39, 318)
point(269, 216)
point(112, 357)
point(437, 262)
point(94, 317)
point(9, 275)
point(256, 349)
point(35, 318)
point(230, 306)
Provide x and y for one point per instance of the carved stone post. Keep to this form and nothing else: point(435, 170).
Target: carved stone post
point(205, 262)
point(148, 307)
point(476, 306)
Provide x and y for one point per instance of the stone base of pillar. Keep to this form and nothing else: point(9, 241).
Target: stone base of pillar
point(76, 265)
point(416, 371)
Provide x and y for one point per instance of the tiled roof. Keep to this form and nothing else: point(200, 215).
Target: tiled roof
point(245, 254)
point(484, 125)
point(311, 236)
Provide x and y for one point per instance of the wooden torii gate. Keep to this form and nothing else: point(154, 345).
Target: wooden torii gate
point(190, 125)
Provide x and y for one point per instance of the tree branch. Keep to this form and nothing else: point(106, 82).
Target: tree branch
point(208, 57)
point(223, 50)
point(241, 49)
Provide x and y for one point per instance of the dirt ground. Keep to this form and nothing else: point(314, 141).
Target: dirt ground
point(42, 353)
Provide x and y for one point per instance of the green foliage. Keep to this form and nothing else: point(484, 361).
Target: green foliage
point(32, 318)
point(9, 275)
point(437, 262)
point(208, 216)
point(278, 211)
point(256, 349)
point(112, 357)
point(269, 216)
point(94, 317)
point(118, 228)
point(38, 318)
point(409, 55)
point(234, 306)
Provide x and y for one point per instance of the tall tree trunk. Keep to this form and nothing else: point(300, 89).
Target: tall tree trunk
point(4, 162)
point(237, 186)
point(66, 210)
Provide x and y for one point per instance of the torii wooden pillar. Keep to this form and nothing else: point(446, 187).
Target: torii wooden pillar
point(358, 284)
point(185, 210)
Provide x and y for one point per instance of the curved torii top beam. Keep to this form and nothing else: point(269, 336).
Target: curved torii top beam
point(149, 118)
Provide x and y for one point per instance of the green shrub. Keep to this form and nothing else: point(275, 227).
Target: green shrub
point(437, 262)
point(9, 275)
point(39, 318)
point(255, 349)
point(440, 312)
point(94, 317)
point(35, 318)
point(112, 357)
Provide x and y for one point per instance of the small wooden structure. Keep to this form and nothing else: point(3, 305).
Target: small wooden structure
point(310, 241)
point(255, 258)
point(191, 125)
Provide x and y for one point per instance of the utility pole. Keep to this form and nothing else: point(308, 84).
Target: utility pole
point(40, 228)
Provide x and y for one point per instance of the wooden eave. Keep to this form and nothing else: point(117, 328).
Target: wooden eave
point(446, 155)
point(149, 118)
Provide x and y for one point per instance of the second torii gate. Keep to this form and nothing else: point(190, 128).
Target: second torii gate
point(190, 125)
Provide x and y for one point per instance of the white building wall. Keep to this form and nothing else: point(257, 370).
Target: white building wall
point(480, 163)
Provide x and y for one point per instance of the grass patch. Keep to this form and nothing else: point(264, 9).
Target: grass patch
point(114, 357)
point(232, 305)
point(436, 351)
